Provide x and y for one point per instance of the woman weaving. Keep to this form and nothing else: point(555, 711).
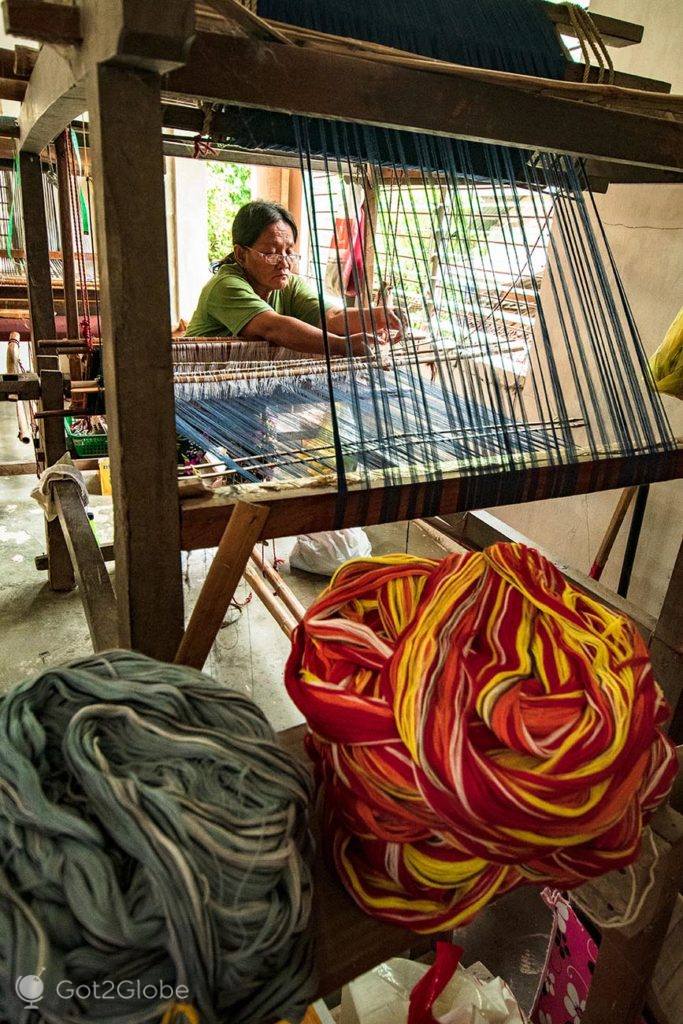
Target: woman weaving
point(256, 294)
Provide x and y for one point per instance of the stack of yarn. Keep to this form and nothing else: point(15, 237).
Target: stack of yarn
point(478, 723)
point(154, 847)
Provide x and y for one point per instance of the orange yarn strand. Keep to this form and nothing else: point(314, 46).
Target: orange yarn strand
point(477, 723)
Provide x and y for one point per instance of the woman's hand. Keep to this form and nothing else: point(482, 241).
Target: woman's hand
point(356, 321)
point(388, 318)
point(373, 345)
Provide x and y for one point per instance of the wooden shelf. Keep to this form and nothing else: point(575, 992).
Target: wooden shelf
point(347, 941)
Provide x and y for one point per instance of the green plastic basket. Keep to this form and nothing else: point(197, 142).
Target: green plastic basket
point(85, 446)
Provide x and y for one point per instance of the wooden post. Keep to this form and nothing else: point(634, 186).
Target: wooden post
point(37, 251)
point(628, 955)
point(67, 236)
point(51, 432)
point(271, 601)
point(607, 543)
point(94, 584)
point(666, 647)
point(234, 551)
point(125, 133)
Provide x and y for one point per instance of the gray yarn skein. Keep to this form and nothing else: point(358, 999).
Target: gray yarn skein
point(151, 829)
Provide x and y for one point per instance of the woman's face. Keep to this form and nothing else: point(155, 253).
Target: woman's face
point(276, 239)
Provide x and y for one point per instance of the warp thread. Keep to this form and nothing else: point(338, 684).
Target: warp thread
point(477, 723)
point(152, 831)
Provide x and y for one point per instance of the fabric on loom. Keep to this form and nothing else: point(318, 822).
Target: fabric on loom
point(521, 347)
point(284, 429)
point(477, 723)
point(152, 831)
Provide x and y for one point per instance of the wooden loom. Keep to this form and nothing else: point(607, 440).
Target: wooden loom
point(122, 59)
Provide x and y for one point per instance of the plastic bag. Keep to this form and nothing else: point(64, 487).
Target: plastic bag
point(323, 553)
point(404, 992)
point(667, 362)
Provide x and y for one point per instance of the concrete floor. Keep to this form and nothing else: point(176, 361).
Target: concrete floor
point(40, 628)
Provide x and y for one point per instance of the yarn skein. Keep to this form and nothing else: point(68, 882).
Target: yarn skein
point(477, 723)
point(153, 834)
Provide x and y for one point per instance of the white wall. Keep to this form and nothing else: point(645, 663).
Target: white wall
point(188, 233)
point(644, 224)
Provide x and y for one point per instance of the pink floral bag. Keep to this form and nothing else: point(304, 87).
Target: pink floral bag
point(570, 962)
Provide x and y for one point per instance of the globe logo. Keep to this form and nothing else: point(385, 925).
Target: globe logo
point(30, 988)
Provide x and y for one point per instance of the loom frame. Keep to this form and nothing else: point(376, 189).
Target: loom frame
point(119, 65)
point(116, 55)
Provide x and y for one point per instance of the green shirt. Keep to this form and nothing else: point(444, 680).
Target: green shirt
point(228, 302)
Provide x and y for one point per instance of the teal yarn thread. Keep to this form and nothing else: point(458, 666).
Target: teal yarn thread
point(152, 833)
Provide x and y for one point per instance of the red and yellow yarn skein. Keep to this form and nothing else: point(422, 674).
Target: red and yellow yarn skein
point(477, 723)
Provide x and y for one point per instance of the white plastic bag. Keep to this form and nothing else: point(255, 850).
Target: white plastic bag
point(472, 996)
point(323, 553)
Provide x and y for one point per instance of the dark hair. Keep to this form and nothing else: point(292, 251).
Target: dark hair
point(251, 219)
point(254, 217)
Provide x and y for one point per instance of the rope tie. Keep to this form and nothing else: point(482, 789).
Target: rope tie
point(477, 724)
point(203, 144)
point(590, 40)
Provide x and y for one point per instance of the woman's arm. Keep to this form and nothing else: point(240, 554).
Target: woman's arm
point(300, 336)
point(356, 320)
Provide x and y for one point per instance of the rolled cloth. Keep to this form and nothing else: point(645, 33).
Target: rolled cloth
point(154, 849)
point(477, 723)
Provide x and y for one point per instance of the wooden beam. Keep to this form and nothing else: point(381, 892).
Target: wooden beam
point(144, 34)
point(45, 22)
point(54, 97)
point(12, 89)
point(575, 72)
point(306, 37)
point(463, 103)
point(17, 468)
point(237, 13)
point(218, 590)
point(614, 31)
point(601, 173)
point(125, 125)
point(612, 173)
point(309, 510)
point(16, 387)
point(106, 550)
point(94, 584)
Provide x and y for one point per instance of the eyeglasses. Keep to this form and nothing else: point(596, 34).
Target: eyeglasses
point(273, 258)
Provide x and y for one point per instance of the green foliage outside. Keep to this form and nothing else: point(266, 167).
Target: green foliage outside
point(229, 188)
